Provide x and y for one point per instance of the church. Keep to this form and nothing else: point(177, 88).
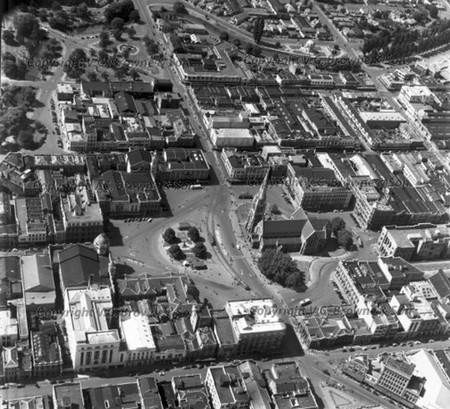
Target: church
point(299, 233)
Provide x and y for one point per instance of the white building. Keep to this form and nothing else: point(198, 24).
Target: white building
point(257, 326)
point(8, 329)
point(138, 337)
point(231, 137)
point(437, 379)
point(92, 343)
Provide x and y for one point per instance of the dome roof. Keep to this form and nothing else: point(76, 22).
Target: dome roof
point(101, 240)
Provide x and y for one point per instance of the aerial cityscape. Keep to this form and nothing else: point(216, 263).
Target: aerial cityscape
point(225, 204)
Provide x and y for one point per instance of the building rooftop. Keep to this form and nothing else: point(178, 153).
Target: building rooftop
point(68, 395)
point(137, 332)
point(252, 316)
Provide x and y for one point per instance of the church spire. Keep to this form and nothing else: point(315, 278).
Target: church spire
point(258, 209)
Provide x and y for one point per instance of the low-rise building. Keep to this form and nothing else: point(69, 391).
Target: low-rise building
point(38, 281)
point(68, 395)
point(190, 392)
point(289, 389)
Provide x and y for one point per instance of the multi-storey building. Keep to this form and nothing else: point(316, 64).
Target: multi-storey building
point(92, 341)
point(123, 194)
point(244, 167)
point(421, 242)
point(227, 388)
point(47, 357)
point(138, 337)
point(82, 217)
point(317, 189)
point(257, 327)
point(415, 315)
point(399, 272)
point(180, 165)
point(9, 332)
point(395, 375)
point(11, 370)
point(359, 280)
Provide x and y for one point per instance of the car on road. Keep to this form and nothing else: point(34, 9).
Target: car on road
point(149, 220)
point(162, 373)
point(304, 302)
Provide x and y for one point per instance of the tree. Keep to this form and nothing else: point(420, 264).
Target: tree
point(345, 239)
point(76, 63)
point(280, 267)
point(193, 291)
point(169, 236)
point(336, 224)
point(60, 21)
point(56, 6)
point(126, 53)
point(134, 74)
point(200, 251)
point(8, 37)
point(104, 39)
point(13, 119)
point(117, 33)
point(223, 36)
point(25, 139)
point(258, 30)
point(194, 234)
point(295, 281)
point(13, 68)
point(134, 16)
point(102, 55)
point(121, 9)
point(433, 10)
point(131, 31)
point(237, 42)
point(274, 209)
point(277, 44)
point(176, 253)
point(26, 25)
point(92, 76)
point(257, 51)
point(179, 8)
point(117, 23)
